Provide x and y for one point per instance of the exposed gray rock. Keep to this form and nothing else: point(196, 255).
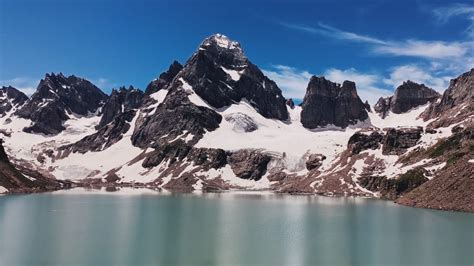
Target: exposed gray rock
point(179, 150)
point(249, 164)
point(329, 103)
point(407, 96)
point(164, 79)
point(456, 104)
point(395, 187)
point(242, 122)
point(56, 98)
point(362, 141)
point(396, 141)
point(290, 103)
point(119, 102)
point(315, 161)
point(11, 98)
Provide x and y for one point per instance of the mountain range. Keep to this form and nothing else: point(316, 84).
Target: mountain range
point(217, 123)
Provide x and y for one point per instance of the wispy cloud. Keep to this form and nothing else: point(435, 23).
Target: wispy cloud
point(103, 83)
point(24, 84)
point(418, 74)
point(410, 47)
point(368, 85)
point(292, 81)
point(444, 14)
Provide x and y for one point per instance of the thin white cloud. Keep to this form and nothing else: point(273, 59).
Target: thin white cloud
point(411, 47)
point(292, 81)
point(346, 35)
point(367, 84)
point(444, 14)
point(103, 83)
point(417, 74)
point(23, 84)
point(425, 49)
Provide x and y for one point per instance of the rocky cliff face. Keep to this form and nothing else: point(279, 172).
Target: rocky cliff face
point(119, 102)
point(11, 98)
point(407, 96)
point(56, 98)
point(456, 104)
point(164, 79)
point(329, 103)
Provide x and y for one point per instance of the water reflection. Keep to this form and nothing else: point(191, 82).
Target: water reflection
point(227, 228)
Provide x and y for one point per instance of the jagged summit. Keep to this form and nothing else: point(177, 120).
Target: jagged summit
point(11, 98)
point(222, 41)
point(56, 97)
point(164, 79)
point(407, 96)
point(330, 103)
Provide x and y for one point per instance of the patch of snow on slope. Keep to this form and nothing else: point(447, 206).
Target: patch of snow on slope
point(116, 155)
point(159, 96)
point(289, 137)
point(24, 145)
point(408, 119)
point(3, 190)
point(235, 75)
point(192, 96)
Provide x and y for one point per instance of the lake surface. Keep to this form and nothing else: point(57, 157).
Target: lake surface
point(227, 229)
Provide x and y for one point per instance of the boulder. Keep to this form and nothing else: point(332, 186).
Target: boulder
point(249, 164)
point(315, 161)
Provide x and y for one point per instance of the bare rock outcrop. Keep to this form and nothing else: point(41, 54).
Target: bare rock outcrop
point(249, 164)
point(329, 103)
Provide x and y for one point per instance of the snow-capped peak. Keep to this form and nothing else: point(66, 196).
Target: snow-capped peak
point(221, 41)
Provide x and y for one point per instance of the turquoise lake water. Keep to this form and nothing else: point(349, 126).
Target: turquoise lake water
point(227, 229)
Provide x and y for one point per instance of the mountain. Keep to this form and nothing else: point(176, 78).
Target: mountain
point(456, 104)
point(56, 99)
point(407, 96)
point(11, 99)
point(217, 75)
point(217, 123)
point(328, 103)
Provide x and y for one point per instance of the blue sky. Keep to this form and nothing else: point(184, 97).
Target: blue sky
point(378, 44)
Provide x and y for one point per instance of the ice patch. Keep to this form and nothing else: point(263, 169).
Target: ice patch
point(234, 74)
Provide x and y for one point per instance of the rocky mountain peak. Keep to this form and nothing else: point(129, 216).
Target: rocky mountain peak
point(456, 104)
point(11, 98)
point(220, 41)
point(120, 101)
point(56, 97)
point(221, 75)
point(407, 96)
point(329, 103)
point(164, 79)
